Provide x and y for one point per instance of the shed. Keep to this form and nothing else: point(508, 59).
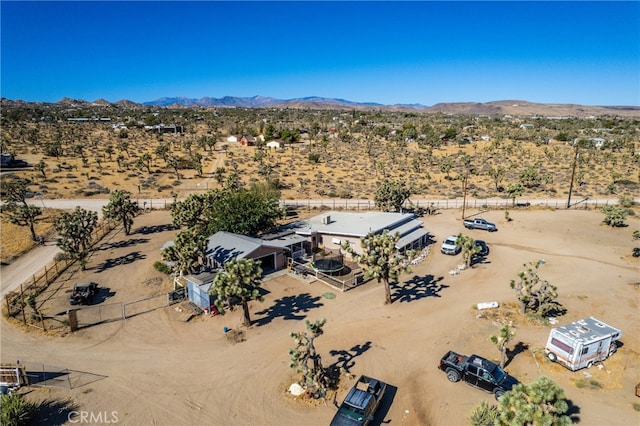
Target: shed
point(198, 286)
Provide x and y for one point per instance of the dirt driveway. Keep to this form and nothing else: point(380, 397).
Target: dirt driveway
point(156, 369)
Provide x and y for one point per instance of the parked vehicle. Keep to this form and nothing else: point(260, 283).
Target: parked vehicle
point(450, 246)
point(360, 404)
point(83, 293)
point(483, 248)
point(479, 223)
point(477, 372)
point(582, 343)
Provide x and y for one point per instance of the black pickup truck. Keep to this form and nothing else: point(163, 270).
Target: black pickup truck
point(360, 404)
point(477, 372)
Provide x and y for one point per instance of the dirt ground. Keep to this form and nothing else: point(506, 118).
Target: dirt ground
point(153, 368)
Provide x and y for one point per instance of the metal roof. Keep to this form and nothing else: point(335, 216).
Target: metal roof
point(353, 224)
point(225, 246)
point(588, 329)
point(411, 237)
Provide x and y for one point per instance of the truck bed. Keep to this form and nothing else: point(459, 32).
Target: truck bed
point(454, 359)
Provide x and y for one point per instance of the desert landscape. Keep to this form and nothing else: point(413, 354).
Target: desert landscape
point(154, 368)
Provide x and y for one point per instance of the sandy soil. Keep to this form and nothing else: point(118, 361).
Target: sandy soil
point(155, 369)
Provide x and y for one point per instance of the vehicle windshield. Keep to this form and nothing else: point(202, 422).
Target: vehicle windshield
point(351, 412)
point(498, 374)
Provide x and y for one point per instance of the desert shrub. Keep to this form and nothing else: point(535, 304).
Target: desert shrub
point(614, 216)
point(60, 256)
point(16, 411)
point(162, 267)
point(626, 202)
point(636, 406)
point(484, 414)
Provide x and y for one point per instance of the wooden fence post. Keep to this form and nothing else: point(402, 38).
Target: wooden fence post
point(24, 317)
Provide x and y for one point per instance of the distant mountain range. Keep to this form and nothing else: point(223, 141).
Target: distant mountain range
point(506, 107)
point(261, 101)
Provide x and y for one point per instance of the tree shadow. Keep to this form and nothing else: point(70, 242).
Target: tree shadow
point(288, 307)
point(346, 357)
point(417, 288)
point(145, 230)
point(573, 411)
point(122, 244)
point(517, 349)
point(55, 412)
point(122, 260)
point(557, 310)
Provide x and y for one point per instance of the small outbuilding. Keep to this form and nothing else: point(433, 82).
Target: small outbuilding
point(198, 286)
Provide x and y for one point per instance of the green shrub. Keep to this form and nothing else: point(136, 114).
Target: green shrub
point(484, 414)
point(162, 267)
point(15, 410)
point(614, 216)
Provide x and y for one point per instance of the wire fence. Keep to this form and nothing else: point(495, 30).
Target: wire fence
point(17, 303)
point(430, 205)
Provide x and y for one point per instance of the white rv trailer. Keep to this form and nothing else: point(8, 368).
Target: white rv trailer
point(582, 343)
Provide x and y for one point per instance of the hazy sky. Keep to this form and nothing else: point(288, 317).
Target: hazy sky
point(386, 52)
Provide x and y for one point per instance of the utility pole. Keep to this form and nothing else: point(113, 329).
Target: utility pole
point(464, 194)
point(573, 173)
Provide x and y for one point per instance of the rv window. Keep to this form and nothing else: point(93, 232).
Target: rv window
point(561, 345)
point(585, 350)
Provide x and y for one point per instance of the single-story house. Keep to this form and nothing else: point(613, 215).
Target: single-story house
point(225, 246)
point(331, 230)
point(274, 144)
point(247, 140)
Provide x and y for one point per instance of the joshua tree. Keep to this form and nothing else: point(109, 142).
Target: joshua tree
point(535, 295)
point(172, 161)
point(390, 195)
point(380, 259)
point(74, 230)
point(541, 402)
point(40, 167)
point(502, 340)
point(514, 191)
point(468, 248)
point(306, 360)
point(497, 174)
point(121, 208)
point(188, 250)
point(14, 194)
point(239, 280)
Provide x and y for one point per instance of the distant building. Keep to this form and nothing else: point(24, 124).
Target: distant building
point(164, 128)
point(247, 140)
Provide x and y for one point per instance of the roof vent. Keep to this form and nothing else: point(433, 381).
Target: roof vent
point(326, 220)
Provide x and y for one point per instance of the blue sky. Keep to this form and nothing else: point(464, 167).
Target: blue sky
point(387, 52)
